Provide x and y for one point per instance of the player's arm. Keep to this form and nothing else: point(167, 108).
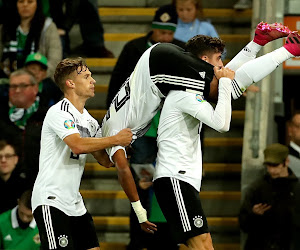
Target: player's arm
point(127, 182)
point(102, 157)
point(219, 117)
point(83, 145)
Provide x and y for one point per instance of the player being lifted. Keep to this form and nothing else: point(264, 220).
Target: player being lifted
point(165, 67)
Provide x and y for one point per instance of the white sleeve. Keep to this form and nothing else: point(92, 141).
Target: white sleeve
point(218, 118)
point(111, 151)
point(62, 123)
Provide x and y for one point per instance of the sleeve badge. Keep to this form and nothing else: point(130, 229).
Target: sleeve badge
point(69, 124)
point(199, 98)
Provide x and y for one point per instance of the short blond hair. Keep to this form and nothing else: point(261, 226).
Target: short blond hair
point(66, 67)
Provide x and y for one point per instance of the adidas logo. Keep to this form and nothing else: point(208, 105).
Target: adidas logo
point(8, 238)
point(202, 74)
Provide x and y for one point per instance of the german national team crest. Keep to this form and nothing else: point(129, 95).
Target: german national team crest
point(69, 124)
point(198, 222)
point(63, 240)
point(92, 127)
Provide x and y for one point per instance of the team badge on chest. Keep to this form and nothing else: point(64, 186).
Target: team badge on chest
point(92, 127)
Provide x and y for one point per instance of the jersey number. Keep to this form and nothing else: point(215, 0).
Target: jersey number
point(119, 101)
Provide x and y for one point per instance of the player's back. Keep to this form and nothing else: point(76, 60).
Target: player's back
point(136, 102)
point(163, 67)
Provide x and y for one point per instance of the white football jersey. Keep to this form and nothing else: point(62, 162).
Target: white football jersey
point(60, 171)
point(163, 67)
point(179, 147)
point(135, 104)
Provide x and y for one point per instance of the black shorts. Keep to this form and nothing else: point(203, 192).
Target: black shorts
point(181, 206)
point(60, 231)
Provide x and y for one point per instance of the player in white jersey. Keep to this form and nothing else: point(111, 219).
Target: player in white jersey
point(165, 67)
point(69, 132)
point(178, 174)
point(139, 99)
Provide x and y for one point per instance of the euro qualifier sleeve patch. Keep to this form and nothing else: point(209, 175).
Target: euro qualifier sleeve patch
point(200, 98)
point(69, 124)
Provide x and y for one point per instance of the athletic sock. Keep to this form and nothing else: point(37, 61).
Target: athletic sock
point(247, 54)
point(255, 70)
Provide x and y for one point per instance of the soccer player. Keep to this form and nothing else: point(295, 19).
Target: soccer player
point(162, 67)
point(69, 132)
point(178, 173)
point(165, 67)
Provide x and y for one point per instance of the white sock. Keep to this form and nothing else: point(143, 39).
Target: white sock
point(255, 70)
point(247, 54)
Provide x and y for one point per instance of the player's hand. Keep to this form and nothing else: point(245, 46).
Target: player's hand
point(148, 227)
point(124, 137)
point(224, 72)
point(260, 208)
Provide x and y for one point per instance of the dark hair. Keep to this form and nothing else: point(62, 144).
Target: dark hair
point(36, 26)
point(201, 44)
point(66, 67)
point(25, 198)
point(4, 143)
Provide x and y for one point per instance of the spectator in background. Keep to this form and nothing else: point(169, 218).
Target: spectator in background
point(12, 180)
point(268, 208)
point(18, 228)
point(91, 29)
point(37, 64)
point(163, 27)
point(294, 147)
point(190, 20)
point(26, 31)
point(22, 114)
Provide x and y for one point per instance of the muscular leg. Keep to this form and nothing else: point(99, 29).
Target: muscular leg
point(201, 242)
